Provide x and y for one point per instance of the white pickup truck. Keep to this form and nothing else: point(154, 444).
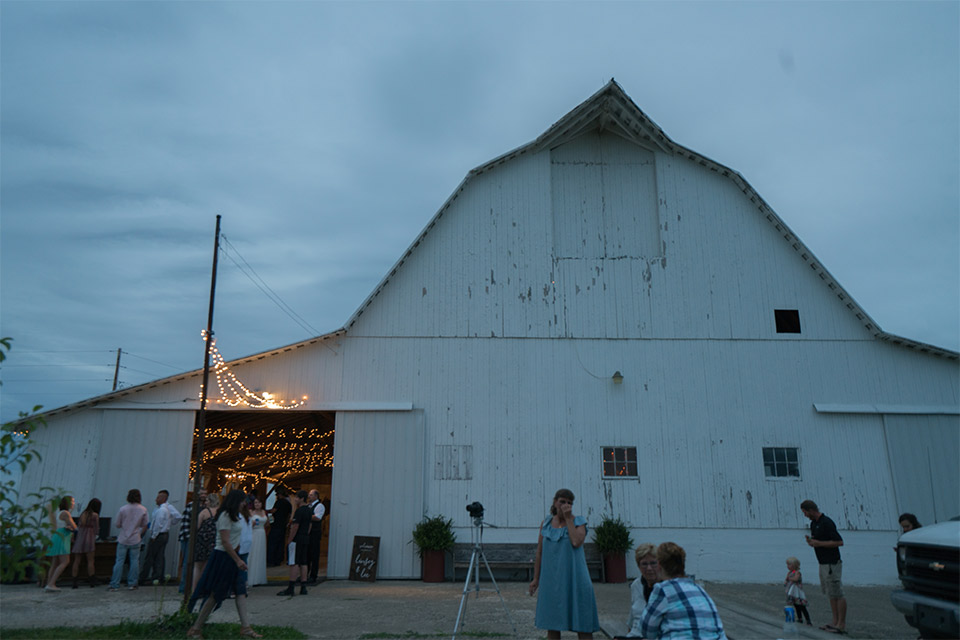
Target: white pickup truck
point(928, 561)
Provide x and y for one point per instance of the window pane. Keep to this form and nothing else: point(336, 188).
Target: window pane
point(609, 468)
point(791, 454)
point(621, 454)
point(608, 453)
point(794, 469)
point(781, 454)
point(767, 455)
point(768, 470)
point(631, 454)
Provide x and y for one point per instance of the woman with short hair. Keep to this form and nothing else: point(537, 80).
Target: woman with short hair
point(678, 607)
point(642, 587)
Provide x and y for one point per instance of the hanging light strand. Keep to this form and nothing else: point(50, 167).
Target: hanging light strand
point(234, 393)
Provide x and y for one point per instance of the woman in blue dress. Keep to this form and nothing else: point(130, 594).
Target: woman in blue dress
point(565, 601)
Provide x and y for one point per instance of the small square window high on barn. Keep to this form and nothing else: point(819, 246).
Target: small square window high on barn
point(788, 320)
point(619, 462)
point(781, 462)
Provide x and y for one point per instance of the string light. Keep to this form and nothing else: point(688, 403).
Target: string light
point(297, 450)
point(234, 393)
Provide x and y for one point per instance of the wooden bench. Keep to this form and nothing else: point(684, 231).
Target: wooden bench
point(516, 558)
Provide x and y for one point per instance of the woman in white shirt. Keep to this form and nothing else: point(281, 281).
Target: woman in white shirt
point(641, 587)
point(225, 567)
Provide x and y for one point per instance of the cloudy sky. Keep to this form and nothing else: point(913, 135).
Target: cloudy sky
point(328, 134)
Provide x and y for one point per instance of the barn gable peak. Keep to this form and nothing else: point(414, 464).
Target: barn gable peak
point(608, 110)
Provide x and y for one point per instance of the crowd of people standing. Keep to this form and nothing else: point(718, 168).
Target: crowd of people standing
point(142, 538)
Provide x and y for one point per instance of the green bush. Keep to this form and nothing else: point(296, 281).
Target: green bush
point(25, 529)
point(434, 534)
point(612, 536)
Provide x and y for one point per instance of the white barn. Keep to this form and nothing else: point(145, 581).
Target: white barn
point(483, 367)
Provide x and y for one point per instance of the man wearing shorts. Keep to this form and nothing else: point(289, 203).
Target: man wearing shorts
point(826, 543)
point(298, 543)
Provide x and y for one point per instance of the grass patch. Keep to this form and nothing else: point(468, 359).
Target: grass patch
point(172, 626)
point(414, 634)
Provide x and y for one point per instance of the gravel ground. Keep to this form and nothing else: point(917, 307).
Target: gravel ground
point(342, 609)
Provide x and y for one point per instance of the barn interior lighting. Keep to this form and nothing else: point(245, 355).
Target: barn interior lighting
point(233, 393)
point(234, 452)
point(617, 377)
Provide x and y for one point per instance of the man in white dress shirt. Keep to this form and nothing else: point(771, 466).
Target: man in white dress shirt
point(316, 521)
point(164, 518)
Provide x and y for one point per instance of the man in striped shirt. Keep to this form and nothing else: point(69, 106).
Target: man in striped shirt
point(678, 607)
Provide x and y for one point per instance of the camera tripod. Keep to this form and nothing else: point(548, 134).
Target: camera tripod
point(476, 537)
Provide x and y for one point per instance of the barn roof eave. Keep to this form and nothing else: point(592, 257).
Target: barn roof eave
point(95, 401)
point(916, 345)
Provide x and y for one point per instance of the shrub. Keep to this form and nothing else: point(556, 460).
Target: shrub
point(434, 534)
point(612, 536)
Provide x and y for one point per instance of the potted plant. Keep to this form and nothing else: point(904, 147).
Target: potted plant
point(433, 537)
point(612, 538)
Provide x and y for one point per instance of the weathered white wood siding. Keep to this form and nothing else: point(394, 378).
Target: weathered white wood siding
point(489, 266)
point(377, 489)
point(920, 449)
point(699, 412)
point(147, 450)
point(69, 447)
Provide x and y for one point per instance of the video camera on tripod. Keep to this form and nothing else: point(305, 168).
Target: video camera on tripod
point(475, 509)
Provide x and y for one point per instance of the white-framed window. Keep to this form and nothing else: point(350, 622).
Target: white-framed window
point(619, 462)
point(781, 462)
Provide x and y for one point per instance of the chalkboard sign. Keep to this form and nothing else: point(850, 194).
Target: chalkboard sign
point(363, 561)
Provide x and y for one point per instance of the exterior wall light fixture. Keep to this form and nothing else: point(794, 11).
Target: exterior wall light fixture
point(617, 377)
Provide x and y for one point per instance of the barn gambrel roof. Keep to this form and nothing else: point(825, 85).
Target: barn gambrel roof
point(611, 109)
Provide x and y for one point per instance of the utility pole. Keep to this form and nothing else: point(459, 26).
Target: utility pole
point(201, 423)
point(116, 370)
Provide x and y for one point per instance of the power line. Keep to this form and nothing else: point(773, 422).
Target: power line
point(147, 373)
point(65, 351)
point(127, 353)
point(45, 393)
point(264, 287)
point(56, 380)
point(54, 365)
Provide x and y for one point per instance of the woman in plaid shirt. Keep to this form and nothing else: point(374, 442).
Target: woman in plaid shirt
point(678, 607)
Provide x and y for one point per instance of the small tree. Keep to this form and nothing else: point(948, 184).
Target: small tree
point(24, 526)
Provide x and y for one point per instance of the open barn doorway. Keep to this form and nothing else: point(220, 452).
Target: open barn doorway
point(261, 451)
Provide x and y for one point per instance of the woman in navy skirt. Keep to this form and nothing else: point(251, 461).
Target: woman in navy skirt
point(220, 576)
